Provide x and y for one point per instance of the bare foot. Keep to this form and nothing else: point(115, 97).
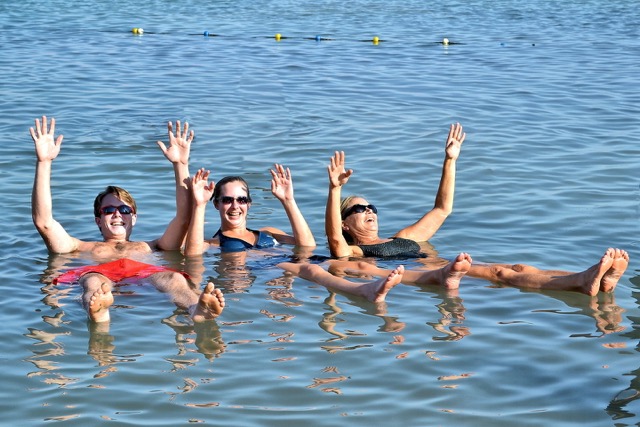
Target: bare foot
point(590, 284)
point(377, 290)
point(455, 270)
point(619, 266)
point(99, 303)
point(210, 304)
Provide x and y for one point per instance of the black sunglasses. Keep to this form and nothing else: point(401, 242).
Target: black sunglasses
point(227, 200)
point(110, 210)
point(359, 209)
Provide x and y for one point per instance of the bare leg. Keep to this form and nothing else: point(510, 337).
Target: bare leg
point(619, 266)
point(586, 282)
point(374, 291)
point(96, 296)
point(204, 306)
point(448, 276)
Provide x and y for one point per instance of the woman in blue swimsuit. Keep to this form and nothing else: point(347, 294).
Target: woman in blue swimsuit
point(232, 198)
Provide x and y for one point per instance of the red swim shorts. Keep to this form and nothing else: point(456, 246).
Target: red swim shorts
point(117, 271)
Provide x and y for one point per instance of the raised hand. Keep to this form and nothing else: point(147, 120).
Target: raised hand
point(201, 189)
point(454, 141)
point(179, 143)
point(281, 183)
point(47, 148)
point(338, 175)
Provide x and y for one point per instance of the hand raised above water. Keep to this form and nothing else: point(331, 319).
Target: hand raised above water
point(201, 189)
point(454, 141)
point(281, 183)
point(179, 143)
point(338, 175)
point(47, 148)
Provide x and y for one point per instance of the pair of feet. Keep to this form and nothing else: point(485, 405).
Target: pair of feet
point(604, 276)
point(601, 277)
point(209, 306)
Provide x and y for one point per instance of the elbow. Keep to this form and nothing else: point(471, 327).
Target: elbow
point(444, 211)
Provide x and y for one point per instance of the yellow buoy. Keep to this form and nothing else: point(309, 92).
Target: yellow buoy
point(278, 37)
point(376, 40)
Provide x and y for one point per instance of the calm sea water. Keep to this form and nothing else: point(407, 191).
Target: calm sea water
point(549, 95)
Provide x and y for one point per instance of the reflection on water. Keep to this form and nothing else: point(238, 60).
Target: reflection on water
point(621, 406)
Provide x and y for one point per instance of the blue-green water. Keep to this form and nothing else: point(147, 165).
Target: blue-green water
point(549, 95)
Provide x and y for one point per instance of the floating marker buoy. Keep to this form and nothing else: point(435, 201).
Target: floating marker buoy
point(376, 40)
point(206, 34)
point(137, 31)
point(318, 38)
point(445, 41)
point(278, 37)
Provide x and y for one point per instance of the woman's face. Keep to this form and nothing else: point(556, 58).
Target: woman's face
point(361, 217)
point(233, 204)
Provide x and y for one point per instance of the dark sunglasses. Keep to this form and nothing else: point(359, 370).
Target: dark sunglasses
point(227, 200)
point(359, 209)
point(110, 210)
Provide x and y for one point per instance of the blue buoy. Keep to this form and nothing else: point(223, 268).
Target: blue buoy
point(318, 37)
point(206, 34)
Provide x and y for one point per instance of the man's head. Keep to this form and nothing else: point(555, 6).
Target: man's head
point(115, 213)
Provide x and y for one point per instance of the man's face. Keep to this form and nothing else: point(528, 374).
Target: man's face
point(115, 221)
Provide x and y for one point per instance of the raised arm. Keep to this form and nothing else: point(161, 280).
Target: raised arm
point(178, 154)
point(282, 189)
point(201, 192)
point(47, 149)
point(338, 176)
point(427, 226)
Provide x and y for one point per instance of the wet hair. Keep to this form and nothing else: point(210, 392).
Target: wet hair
point(120, 193)
point(226, 180)
point(345, 204)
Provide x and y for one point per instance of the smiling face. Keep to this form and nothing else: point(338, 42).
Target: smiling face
point(113, 224)
point(233, 203)
point(359, 224)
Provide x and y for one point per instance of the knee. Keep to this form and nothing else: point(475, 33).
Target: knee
point(499, 273)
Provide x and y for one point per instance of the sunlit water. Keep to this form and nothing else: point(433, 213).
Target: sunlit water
point(548, 93)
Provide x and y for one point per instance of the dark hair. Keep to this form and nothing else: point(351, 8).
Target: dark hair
point(120, 193)
point(226, 180)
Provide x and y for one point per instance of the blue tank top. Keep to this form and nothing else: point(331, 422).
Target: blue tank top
point(233, 244)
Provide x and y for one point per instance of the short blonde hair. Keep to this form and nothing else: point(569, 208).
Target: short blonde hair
point(120, 193)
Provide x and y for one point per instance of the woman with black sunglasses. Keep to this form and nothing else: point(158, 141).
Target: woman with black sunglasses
point(351, 224)
point(231, 197)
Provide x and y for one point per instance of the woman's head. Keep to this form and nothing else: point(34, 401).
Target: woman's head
point(358, 217)
point(232, 198)
point(218, 190)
